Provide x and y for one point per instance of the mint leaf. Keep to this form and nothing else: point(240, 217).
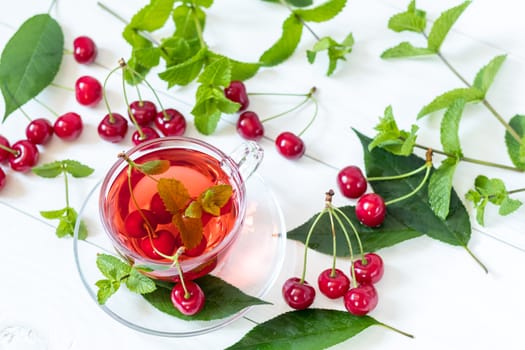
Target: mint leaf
point(486, 75)
point(450, 128)
point(412, 19)
point(217, 73)
point(152, 16)
point(48, 170)
point(189, 21)
point(112, 267)
point(392, 139)
point(147, 57)
point(508, 206)
point(76, 169)
point(154, 167)
point(30, 61)
point(440, 187)
point(53, 214)
point(443, 24)
point(285, 46)
point(515, 149)
point(446, 99)
point(106, 288)
point(335, 51)
point(138, 283)
point(239, 70)
point(323, 12)
point(406, 49)
point(185, 72)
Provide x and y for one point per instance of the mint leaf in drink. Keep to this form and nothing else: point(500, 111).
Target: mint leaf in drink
point(450, 128)
point(440, 187)
point(515, 149)
point(443, 24)
point(446, 99)
point(412, 19)
point(323, 12)
point(406, 49)
point(391, 138)
point(285, 46)
point(154, 167)
point(486, 75)
point(139, 283)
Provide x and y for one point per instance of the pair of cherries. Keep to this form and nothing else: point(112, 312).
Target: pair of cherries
point(359, 300)
point(250, 127)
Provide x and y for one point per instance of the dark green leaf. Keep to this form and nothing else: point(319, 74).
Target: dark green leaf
point(440, 187)
point(53, 214)
point(412, 19)
point(450, 128)
point(443, 24)
point(175, 50)
point(286, 44)
point(446, 99)
point(406, 49)
point(516, 149)
point(323, 12)
point(30, 61)
point(486, 75)
point(48, 170)
point(76, 169)
point(138, 283)
point(309, 329)
point(106, 288)
point(222, 299)
point(112, 267)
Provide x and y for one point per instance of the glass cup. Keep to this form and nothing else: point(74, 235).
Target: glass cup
point(196, 164)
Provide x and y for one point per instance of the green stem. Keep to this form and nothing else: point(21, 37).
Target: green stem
point(334, 244)
point(198, 26)
point(46, 107)
point(53, 3)
point(397, 177)
point(516, 191)
point(356, 233)
point(395, 330)
point(476, 259)
point(287, 111)
point(316, 106)
point(408, 195)
point(130, 113)
point(10, 150)
point(307, 242)
point(179, 270)
point(350, 249)
point(66, 186)
point(143, 79)
point(134, 199)
point(25, 114)
point(62, 87)
point(104, 95)
point(276, 94)
point(139, 95)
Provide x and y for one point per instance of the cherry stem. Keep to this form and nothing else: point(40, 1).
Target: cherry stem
point(139, 95)
point(476, 259)
point(139, 209)
point(197, 26)
point(10, 150)
point(398, 177)
point(49, 109)
point(307, 97)
point(356, 233)
point(395, 330)
point(132, 164)
point(143, 79)
point(62, 87)
point(307, 242)
point(334, 244)
point(126, 100)
point(175, 257)
point(415, 190)
point(104, 95)
point(316, 106)
point(25, 114)
point(350, 249)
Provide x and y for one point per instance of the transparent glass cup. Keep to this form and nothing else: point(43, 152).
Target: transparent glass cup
point(181, 152)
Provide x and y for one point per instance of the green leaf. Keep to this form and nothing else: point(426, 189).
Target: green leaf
point(335, 51)
point(106, 289)
point(152, 16)
point(440, 187)
point(296, 3)
point(147, 57)
point(53, 214)
point(76, 169)
point(308, 329)
point(406, 49)
point(214, 198)
point(323, 12)
point(154, 167)
point(217, 73)
point(193, 210)
point(515, 149)
point(239, 70)
point(486, 75)
point(446, 99)
point(508, 206)
point(82, 230)
point(48, 170)
point(138, 283)
point(30, 61)
point(450, 128)
point(222, 299)
point(112, 267)
point(411, 20)
point(185, 72)
point(286, 44)
point(189, 20)
point(207, 115)
point(443, 24)
point(389, 136)
point(173, 193)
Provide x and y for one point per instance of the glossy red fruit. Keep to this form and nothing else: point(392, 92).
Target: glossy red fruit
point(170, 122)
point(148, 134)
point(136, 225)
point(371, 272)
point(84, 50)
point(88, 91)
point(39, 131)
point(2, 178)
point(162, 241)
point(361, 300)
point(158, 208)
point(25, 157)
point(68, 126)
point(249, 126)
point(144, 112)
point(189, 303)
point(333, 285)
point(351, 182)
point(4, 146)
point(198, 249)
point(290, 145)
point(371, 210)
point(298, 295)
point(236, 92)
point(113, 128)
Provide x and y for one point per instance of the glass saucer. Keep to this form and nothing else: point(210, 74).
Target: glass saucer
point(252, 265)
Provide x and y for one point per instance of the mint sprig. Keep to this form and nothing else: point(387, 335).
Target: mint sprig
point(67, 216)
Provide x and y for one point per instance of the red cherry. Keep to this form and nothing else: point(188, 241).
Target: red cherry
point(25, 156)
point(361, 300)
point(4, 147)
point(68, 126)
point(351, 182)
point(249, 126)
point(371, 210)
point(371, 272)
point(84, 50)
point(88, 91)
point(39, 131)
point(113, 127)
point(136, 225)
point(189, 303)
point(333, 285)
point(144, 112)
point(198, 249)
point(290, 145)
point(149, 134)
point(158, 208)
point(162, 241)
point(2, 178)
point(170, 122)
point(298, 295)
point(236, 92)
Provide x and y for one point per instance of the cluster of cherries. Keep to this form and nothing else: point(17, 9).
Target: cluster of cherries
point(250, 127)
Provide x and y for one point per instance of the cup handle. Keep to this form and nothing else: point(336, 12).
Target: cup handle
point(247, 156)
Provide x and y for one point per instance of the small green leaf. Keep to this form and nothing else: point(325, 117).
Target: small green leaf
point(138, 283)
point(508, 206)
point(486, 75)
point(207, 115)
point(335, 51)
point(154, 167)
point(446, 99)
point(239, 70)
point(308, 329)
point(190, 230)
point(440, 187)
point(30, 61)
point(450, 128)
point(285, 46)
point(217, 73)
point(174, 194)
point(48, 170)
point(406, 49)
point(76, 169)
point(515, 149)
point(112, 267)
point(53, 214)
point(412, 19)
point(389, 136)
point(106, 289)
point(323, 12)
point(443, 24)
point(189, 20)
point(214, 198)
point(185, 72)
point(194, 210)
point(152, 16)
point(147, 57)
point(82, 230)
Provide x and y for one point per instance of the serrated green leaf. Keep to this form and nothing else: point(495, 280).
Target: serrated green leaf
point(30, 61)
point(308, 329)
point(406, 49)
point(135, 72)
point(207, 115)
point(65, 227)
point(389, 136)
point(217, 73)
point(147, 57)
point(214, 198)
point(185, 72)
point(222, 300)
point(508, 206)
point(239, 70)
point(449, 132)
point(77, 169)
point(112, 267)
point(486, 75)
point(175, 50)
point(189, 21)
point(173, 193)
point(515, 149)
point(224, 104)
point(138, 283)
point(285, 46)
point(442, 25)
point(440, 187)
point(413, 20)
point(194, 210)
point(446, 99)
point(323, 12)
point(106, 289)
point(154, 167)
point(48, 170)
point(480, 211)
point(335, 51)
point(53, 214)
point(152, 16)
point(494, 189)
